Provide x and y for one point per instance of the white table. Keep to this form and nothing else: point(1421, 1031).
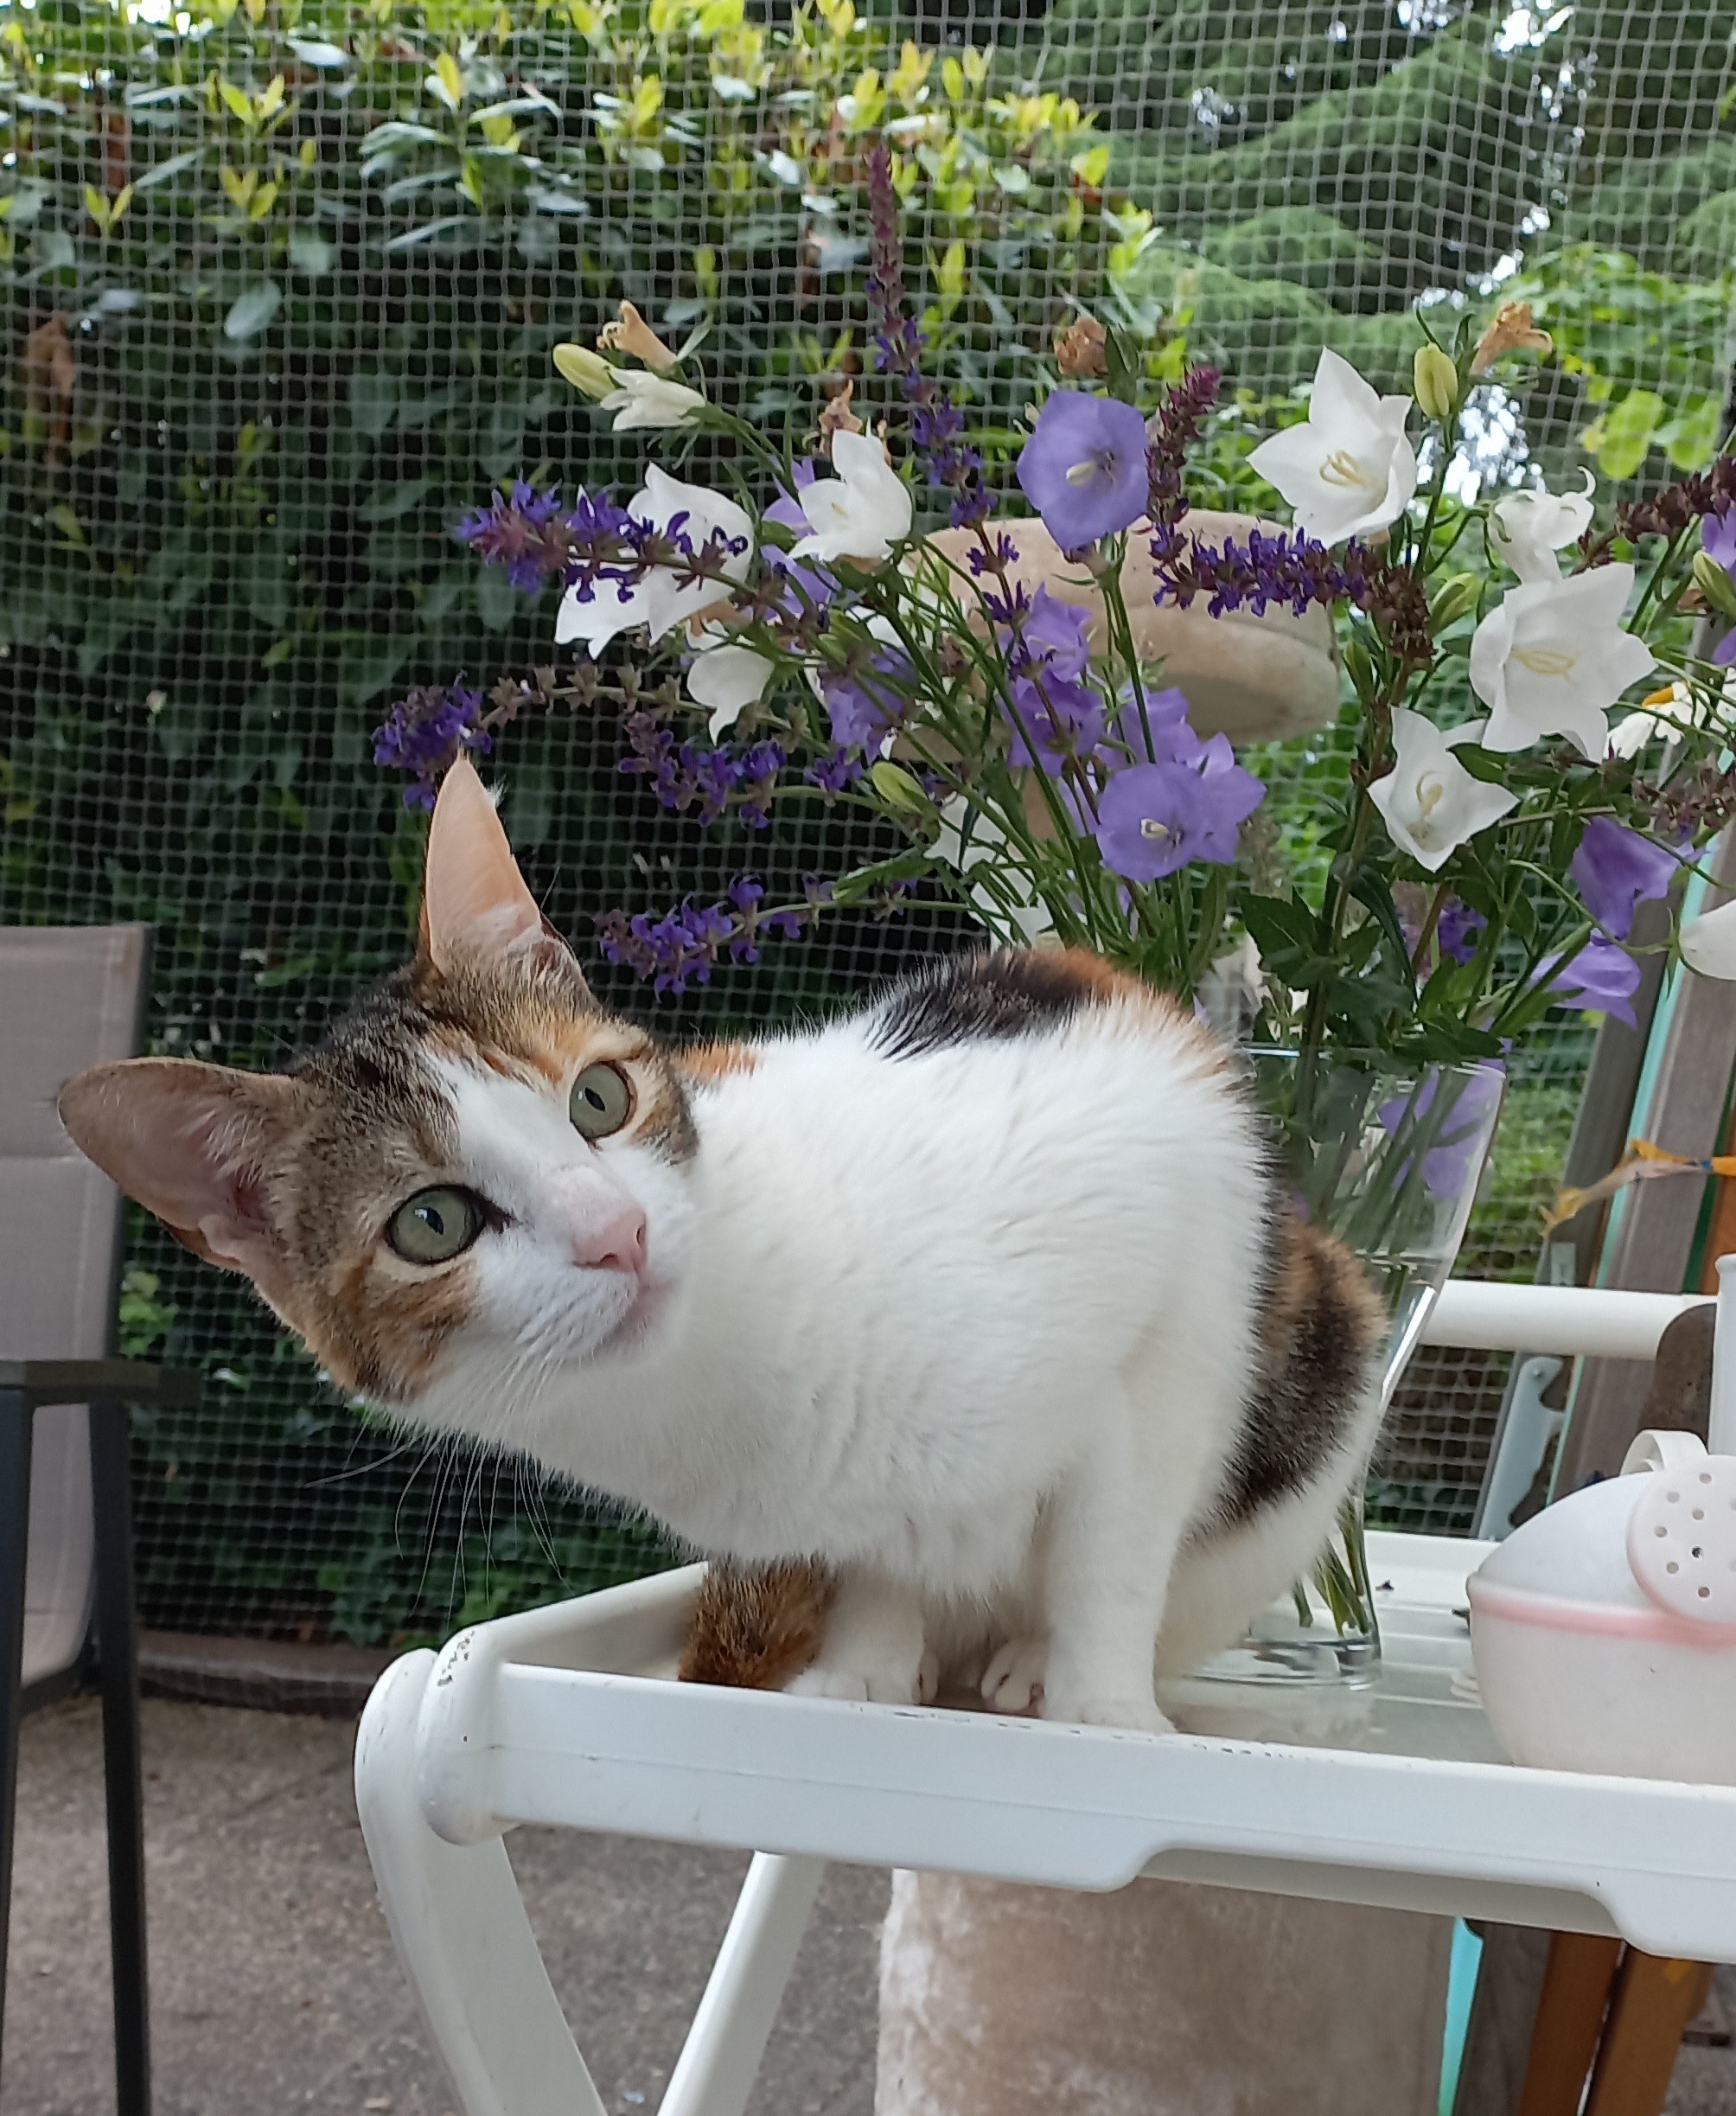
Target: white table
point(1394, 1796)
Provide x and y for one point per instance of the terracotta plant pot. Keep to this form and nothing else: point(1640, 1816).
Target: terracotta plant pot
point(1253, 678)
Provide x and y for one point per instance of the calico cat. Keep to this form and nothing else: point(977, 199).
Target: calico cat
point(978, 1312)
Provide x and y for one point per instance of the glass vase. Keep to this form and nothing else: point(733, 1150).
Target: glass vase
point(1388, 1160)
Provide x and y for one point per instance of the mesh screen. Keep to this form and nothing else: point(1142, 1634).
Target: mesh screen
point(281, 282)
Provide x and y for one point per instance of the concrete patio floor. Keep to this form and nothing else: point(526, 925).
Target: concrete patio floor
point(274, 1985)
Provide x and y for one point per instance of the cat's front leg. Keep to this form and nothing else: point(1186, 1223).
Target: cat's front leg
point(874, 1644)
point(1110, 1537)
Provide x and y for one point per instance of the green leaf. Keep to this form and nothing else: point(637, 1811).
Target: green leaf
point(311, 254)
point(1489, 765)
point(497, 599)
point(368, 672)
point(1690, 440)
point(392, 501)
point(414, 238)
point(313, 52)
point(1370, 890)
point(386, 139)
point(530, 802)
point(1289, 937)
point(250, 312)
point(1623, 437)
point(373, 400)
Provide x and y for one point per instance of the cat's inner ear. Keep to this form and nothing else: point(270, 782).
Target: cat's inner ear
point(191, 1143)
point(473, 900)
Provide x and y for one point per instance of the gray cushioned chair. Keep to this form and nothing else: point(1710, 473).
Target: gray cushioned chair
point(69, 997)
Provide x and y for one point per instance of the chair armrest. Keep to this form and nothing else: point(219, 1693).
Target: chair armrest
point(100, 1381)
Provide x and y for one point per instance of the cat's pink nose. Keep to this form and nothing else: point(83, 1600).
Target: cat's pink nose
point(613, 1243)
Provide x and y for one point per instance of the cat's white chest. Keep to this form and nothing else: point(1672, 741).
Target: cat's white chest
point(917, 1286)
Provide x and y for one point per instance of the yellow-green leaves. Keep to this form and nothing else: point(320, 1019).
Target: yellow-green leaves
point(259, 114)
point(107, 212)
point(244, 192)
point(949, 282)
point(446, 83)
point(1434, 381)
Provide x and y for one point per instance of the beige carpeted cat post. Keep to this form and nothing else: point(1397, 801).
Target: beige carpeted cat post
point(1163, 1999)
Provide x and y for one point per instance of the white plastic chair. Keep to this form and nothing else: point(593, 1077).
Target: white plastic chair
point(1394, 1796)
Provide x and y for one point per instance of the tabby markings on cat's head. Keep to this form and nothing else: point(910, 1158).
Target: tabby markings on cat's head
point(479, 1153)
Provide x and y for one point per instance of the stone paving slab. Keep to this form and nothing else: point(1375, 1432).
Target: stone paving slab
point(274, 1987)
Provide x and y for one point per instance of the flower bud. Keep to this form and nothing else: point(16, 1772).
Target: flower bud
point(1452, 600)
point(632, 335)
point(906, 799)
point(1435, 381)
point(584, 369)
point(1715, 584)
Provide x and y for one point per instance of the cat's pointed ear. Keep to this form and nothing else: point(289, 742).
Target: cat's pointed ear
point(473, 900)
point(191, 1143)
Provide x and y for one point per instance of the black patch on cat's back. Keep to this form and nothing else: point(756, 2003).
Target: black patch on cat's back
point(1318, 1372)
point(975, 998)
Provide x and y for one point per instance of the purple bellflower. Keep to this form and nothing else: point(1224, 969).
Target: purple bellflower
point(1458, 928)
point(1150, 820)
point(1615, 870)
point(1455, 1158)
point(1154, 819)
point(864, 704)
point(1055, 718)
point(1602, 978)
point(1052, 711)
point(1083, 469)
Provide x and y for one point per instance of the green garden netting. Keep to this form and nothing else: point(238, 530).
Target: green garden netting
point(280, 286)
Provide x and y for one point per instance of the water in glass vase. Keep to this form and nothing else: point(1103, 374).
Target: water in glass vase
point(1388, 1160)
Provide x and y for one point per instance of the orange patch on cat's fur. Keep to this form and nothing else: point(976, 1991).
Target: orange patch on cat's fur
point(752, 1628)
point(1319, 1286)
point(1109, 987)
point(390, 1336)
point(716, 1061)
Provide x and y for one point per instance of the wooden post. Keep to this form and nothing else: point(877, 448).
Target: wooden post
point(1576, 1984)
point(1654, 2001)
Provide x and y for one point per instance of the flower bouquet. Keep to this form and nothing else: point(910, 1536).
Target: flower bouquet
point(891, 623)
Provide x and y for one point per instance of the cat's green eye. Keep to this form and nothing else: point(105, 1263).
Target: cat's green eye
point(601, 1101)
point(434, 1226)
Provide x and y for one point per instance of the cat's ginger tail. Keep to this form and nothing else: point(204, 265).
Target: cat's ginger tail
point(753, 1628)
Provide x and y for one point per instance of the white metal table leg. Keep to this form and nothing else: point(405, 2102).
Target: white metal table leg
point(714, 2075)
point(459, 1924)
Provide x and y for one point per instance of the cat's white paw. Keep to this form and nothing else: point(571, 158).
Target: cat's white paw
point(817, 1682)
point(1139, 1713)
point(871, 1685)
point(1014, 1680)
